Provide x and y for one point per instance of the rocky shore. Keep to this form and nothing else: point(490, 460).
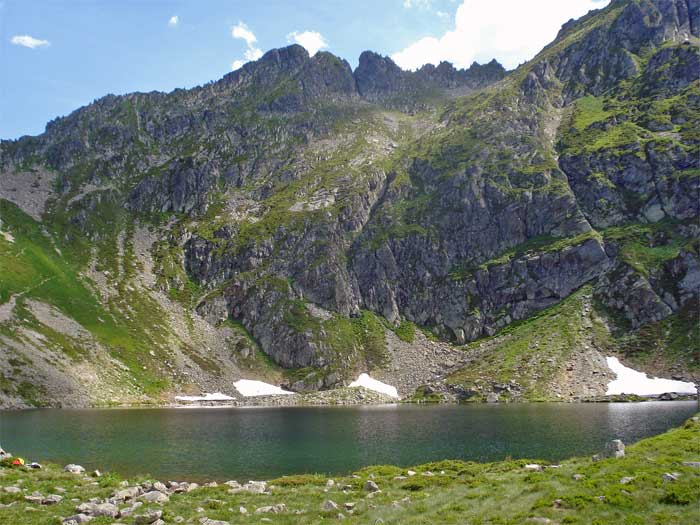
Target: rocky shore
point(653, 481)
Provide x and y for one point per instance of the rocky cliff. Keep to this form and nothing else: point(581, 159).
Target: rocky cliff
point(283, 221)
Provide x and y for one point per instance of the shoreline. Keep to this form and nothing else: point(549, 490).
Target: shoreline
point(374, 399)
point(653, 480)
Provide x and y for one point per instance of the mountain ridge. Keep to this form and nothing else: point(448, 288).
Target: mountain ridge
point(301, 221)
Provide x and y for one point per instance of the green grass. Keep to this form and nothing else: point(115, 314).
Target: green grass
point(531, 351)
point(33, 268)
point(459, 492)
point(647, 247)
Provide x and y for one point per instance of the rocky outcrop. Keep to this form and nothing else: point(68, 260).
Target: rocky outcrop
point(309, 204)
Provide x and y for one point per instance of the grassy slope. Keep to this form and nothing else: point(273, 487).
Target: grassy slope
point(33, 268)
point(475, 493)
point(530, 352)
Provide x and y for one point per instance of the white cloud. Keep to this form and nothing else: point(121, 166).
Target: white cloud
point(442, 14)
point(174, 21)
point(243, 32)
point(28, 41)
point(312, 41)
point(420, 4)
point(253, 53)
point(511, 31)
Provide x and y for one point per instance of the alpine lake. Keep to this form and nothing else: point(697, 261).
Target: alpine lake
point(198, 444)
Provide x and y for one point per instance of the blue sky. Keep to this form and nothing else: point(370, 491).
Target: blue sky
point(56, 56)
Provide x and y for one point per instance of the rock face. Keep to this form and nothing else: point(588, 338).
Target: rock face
point(305, 210)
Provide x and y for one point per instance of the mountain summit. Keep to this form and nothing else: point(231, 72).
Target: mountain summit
point(458, 232)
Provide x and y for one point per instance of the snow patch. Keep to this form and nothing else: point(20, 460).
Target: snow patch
point(372, 384)
point(629, 381)
point(216, 396)
point(249, 388)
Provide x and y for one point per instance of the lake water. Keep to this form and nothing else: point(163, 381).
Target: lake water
point(259, 443)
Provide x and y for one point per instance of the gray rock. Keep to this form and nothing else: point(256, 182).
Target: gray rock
point(207, 521)
point(670, 477)
point(74, 469)
point(77, 518)
point(371, 486)
point(52, 499)
point(155, 496)
point(329, 505)
point(274, 509)
point(126, 494)
point(148, 517)
point(627, 480)
point(98, 509)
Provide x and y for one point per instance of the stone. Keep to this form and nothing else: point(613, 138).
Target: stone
point(349, 505)
point(613, 449)
point(126, 494)
point(207, 521)
point(371, 486)
point(77, 518)
point(329, 505)
point(627, 480)
point(34, 498)
point(128, 511)
point(74, 469)
point(155, 496)
point(96, 474)
point(12, 490)
point(52, 499)
point(692, 464)
point(492, 397)
point(533, 467)
point(148, 517)
point(242, 510)
point(160, 486)
point(330, 484)
point(98, 509)
point(274, 509)
point(411, 472)
point(670, 477)
point(254, 487)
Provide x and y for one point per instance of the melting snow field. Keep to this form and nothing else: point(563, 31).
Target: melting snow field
point(630, 381)
point(372, 384)
point(216, 396)
point(249, 388)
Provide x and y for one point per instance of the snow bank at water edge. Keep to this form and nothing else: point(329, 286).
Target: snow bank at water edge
point(630, 381)
point(372, 384)
point(249, 388)
point(216, 396)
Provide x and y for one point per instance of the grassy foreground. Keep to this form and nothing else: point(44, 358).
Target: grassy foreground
point(577, 491)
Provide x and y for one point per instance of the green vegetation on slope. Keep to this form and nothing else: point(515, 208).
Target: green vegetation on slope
point(530, 352)
point(35, 268)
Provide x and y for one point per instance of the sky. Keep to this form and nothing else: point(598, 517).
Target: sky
point(59, 55)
